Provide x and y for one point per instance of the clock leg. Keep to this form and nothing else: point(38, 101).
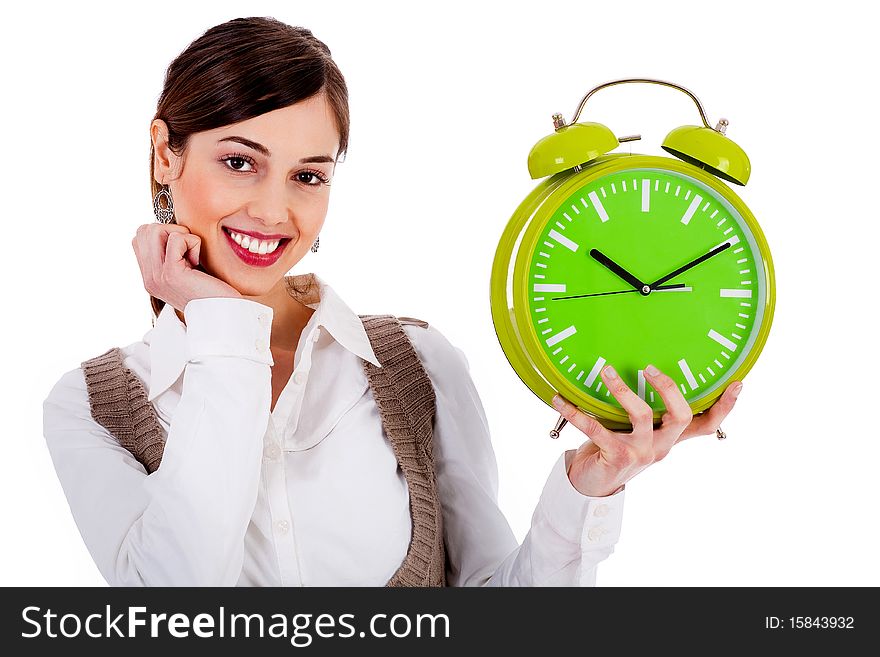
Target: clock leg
point(561, 422)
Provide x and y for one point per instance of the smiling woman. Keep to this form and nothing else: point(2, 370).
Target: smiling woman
point(270, 80)
point(256, 202)
point(263, 433)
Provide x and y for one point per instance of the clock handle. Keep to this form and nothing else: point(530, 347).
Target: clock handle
point(696, 100)
point(561, 422)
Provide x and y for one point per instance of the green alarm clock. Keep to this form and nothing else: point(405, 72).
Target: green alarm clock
point(632, 259)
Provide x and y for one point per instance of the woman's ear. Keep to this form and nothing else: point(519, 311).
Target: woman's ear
point(162, 155)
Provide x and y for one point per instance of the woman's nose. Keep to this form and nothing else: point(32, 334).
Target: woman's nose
point(271, 203)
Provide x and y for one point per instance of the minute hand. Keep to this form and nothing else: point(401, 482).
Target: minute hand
point(692, 263)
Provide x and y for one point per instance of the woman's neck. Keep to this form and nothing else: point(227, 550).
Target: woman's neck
point(289, 316)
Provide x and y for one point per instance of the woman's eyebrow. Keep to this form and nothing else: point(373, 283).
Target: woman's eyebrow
point(265, 151)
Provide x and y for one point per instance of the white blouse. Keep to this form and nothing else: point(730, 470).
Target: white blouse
point(309, 494)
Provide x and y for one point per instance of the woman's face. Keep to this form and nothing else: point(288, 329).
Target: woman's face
point(266, 176)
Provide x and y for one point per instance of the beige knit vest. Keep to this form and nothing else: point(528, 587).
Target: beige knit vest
point(406, 401)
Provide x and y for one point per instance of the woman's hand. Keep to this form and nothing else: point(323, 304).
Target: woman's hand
point(603, 464)
point(168, 255)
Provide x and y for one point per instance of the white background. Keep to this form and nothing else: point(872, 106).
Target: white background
point(446, 102)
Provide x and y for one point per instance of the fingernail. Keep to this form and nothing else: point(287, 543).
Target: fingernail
point(610, 372)
point(736, 389)
point(653, 371)
point(558, 402)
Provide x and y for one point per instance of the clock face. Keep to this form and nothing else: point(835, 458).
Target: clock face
point(597, 248)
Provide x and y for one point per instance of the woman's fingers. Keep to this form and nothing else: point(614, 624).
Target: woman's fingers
point(678, 413)
point(180, 247)
point(586, 423)
point(149, 248)
point(150, 245)
point(615, 450)
point(706, 423)
point(168, 255)
point(640, 414)
point(194, 252)
point(150, 242)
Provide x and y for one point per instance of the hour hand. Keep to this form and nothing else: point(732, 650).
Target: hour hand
point(620, 271)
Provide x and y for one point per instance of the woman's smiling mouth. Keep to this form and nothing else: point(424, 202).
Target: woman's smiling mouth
point(255, 252)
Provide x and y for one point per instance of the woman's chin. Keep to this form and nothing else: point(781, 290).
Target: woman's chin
point(251, 281)
point(257, 285)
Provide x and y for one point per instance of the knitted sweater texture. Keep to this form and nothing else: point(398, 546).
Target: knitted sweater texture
point(403, 393)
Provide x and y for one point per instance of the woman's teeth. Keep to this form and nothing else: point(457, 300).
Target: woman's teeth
point(254, 245)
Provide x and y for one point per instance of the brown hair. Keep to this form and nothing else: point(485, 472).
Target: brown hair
point(241, 69)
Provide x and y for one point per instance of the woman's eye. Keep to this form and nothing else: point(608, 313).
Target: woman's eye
point(312, 178)
point(237, 162)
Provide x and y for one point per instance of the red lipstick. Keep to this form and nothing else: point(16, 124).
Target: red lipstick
point(255, 259)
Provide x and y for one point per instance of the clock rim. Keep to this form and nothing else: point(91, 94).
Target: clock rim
point(561, 186)
point(505, 327)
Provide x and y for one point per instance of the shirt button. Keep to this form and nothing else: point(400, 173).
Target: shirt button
point(601, 511)
point(282, 526)
point(595, 533)
point(260, 344)
point(264, 319)
point(272, 452)
point(299, 377)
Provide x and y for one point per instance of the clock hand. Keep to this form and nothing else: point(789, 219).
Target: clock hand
point(599, 294)
point(620, 271)
point(692, 263)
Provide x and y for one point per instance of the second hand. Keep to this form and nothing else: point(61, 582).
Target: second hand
point(601, 294)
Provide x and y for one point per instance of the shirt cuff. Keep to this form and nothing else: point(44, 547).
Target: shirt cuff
point(591, 522)
point(228, 326)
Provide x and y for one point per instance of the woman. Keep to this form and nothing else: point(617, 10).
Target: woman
point(278, 467)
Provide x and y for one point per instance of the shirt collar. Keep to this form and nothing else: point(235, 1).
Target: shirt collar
point(167, 338)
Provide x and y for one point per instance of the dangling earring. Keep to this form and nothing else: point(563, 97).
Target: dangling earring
point(165, 214)
point(315, 245)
